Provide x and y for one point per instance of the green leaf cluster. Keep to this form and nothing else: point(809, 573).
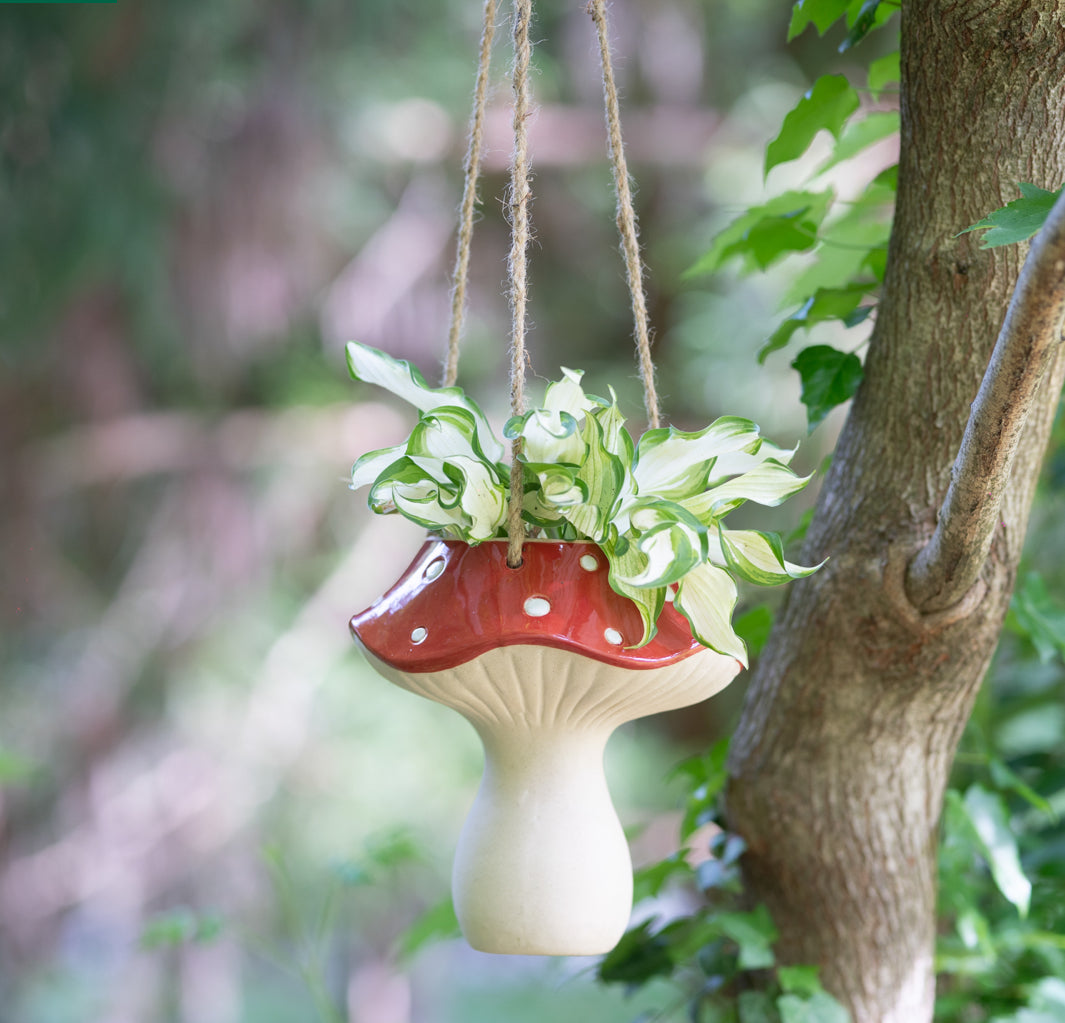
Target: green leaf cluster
point(843, 244)
point(715, 954)
point(656, 506)
point(1000, 949)
point(861, 16)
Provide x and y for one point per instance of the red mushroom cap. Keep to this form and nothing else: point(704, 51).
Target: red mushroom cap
point(456, 602)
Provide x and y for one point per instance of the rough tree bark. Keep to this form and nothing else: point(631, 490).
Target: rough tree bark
point(841, 758)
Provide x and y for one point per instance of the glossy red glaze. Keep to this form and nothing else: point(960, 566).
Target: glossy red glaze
point(468, 601)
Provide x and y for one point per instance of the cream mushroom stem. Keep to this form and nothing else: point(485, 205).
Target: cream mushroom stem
point(535, 659)
point(542, 866)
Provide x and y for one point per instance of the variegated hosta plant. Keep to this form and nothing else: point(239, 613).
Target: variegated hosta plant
point(655, 507)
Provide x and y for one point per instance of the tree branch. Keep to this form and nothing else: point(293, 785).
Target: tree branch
point(945, 569)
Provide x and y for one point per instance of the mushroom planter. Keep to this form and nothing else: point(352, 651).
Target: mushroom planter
point(542, 660)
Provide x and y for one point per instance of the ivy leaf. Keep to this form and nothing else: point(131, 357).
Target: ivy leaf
point(800, 980)
point(1046, 1004)
point(756, 1007)
point(787, 223)
point(823, 305)
point(829, 378)
point(1018, 220)
point(860, 135)
point(753, 932)
point(639, 956)
point(840, 258)
point(861, 25)
point(821, 1008)
point(822, 14)
point(648, 881)
point(722, 869)
point(883, 71)
point(990, 821)
point(706, 776)
point(826, 105)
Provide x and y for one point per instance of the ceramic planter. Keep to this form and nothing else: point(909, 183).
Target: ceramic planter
point(535, 658)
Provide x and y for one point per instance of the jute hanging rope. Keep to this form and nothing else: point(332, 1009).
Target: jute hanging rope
point(626, 215)
point(518, 213)
point(471, 172)
point(518, 208)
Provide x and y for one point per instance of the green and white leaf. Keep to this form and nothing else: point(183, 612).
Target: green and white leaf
point(758, 557)
point(404, 381)
point(673, 464)
point(706, 596)
point(420, 499)
point(547, 436)
point(535, 509)
point(481, 496)
point(768, 484)
point(626, 560)
point(616, 439)
point(559, 486)
point(567, 395)
point(447, 431)
point(603, 476)
point(672, 541)
point(369, 467)
point(654, 508)
point(736, 463)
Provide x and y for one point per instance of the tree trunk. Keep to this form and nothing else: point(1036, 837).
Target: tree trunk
point(841, 757)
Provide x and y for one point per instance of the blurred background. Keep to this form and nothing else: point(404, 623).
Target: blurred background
point(211, 810)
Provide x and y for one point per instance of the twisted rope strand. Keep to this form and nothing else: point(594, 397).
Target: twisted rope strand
point(471, 172)
point(626, 215)
point(519, 241)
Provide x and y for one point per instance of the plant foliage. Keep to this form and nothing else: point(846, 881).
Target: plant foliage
point(1019, 220)
point(713, 957)
point(656, 507)
point(843, 243)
